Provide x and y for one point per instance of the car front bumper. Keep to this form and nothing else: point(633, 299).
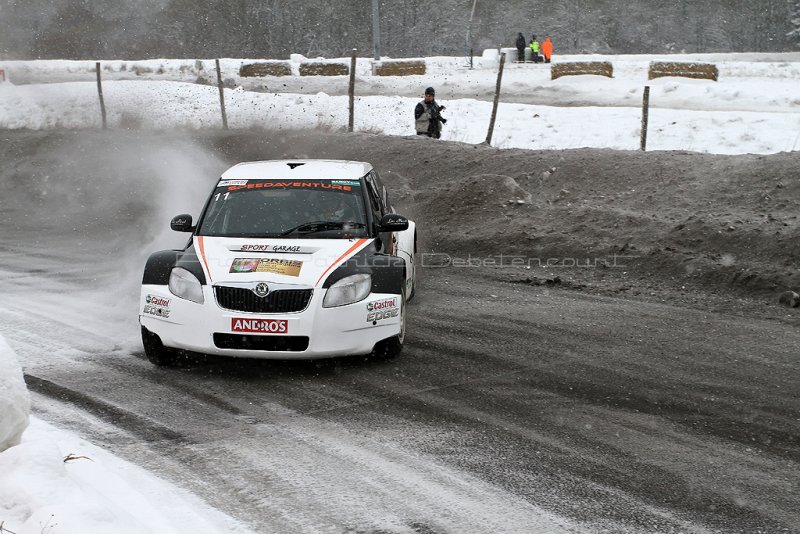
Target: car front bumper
point(331, 332)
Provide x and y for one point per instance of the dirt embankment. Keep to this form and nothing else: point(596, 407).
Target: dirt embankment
point(685, 221)
point(642, 222)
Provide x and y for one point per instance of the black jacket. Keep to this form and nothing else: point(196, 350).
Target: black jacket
point(521, 41)
point(434, 128)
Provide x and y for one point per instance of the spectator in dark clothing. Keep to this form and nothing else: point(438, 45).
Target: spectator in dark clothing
point(521, 48)
point(427, 116)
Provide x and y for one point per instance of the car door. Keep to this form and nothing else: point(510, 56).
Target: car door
point(401, 244)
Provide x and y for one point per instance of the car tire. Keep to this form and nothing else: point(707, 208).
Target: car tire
point(392, 347)
point(413, 271)
point(156, 352)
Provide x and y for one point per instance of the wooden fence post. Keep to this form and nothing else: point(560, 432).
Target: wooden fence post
point(100, 94)
point(221, 96)
point(496, 99)
point(645, 116)
point(351, 91)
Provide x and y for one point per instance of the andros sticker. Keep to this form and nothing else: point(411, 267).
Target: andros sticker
point(260, 326)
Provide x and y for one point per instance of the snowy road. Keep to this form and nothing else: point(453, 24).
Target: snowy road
point(513, 409)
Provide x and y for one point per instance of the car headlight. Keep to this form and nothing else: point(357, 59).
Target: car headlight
point(185, 285)
point(348, 290)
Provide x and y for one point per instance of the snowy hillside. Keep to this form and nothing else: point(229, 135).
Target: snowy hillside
point(753, 108)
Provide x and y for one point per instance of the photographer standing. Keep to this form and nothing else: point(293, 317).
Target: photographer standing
point(427, 116)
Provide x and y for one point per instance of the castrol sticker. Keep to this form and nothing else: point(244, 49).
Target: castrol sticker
point(382, 304)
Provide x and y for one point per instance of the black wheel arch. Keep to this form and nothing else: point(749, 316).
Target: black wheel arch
point(159, 266)
point(388, 272)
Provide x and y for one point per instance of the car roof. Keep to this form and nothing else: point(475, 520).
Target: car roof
point(293, 169)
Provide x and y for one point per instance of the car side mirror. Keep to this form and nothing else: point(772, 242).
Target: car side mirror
point(182, 223)
point(391, 222)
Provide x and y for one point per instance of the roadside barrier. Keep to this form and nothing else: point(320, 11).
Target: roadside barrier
point(324, 69)
point(703, 71)
point(594, 68)
point(399, 68)
point(266, 68)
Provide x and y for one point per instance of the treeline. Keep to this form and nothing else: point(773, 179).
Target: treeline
point(96, 29)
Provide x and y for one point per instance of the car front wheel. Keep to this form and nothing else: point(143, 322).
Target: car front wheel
point(156, 352)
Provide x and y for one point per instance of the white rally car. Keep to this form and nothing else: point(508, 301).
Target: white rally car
point(289, 259)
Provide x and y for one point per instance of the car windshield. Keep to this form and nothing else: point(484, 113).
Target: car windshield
point(278, 208)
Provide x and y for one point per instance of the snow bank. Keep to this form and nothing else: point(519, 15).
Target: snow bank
point(15, 403)
point(166, 105)
point(754, 108)
point(43, 490)
point(94, 493)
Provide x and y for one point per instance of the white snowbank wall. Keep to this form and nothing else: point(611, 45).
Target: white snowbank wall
point(15, 402)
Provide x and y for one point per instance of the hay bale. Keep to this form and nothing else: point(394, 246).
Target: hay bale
point(265, 68)
point(594, 68)
point(702, 71)
point(324, 69)
point(400, 68)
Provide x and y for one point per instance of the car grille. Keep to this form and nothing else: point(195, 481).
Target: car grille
point(271, 343)
point(279, 301)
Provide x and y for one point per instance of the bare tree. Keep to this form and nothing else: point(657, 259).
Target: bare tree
point(73, 29)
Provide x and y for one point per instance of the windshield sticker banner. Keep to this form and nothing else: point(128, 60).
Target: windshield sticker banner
point(329, 185)
point(224, 183)
point(255, 265)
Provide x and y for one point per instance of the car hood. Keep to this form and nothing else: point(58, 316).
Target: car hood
point(289, 261)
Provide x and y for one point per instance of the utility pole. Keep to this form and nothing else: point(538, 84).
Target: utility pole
point(645, 117)
point(496, 100)
point(468, 43)
point(100, 94)
point(376, 29)
point(351, 91)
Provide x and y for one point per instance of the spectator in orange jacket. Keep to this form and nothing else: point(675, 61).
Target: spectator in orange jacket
point(547, 49)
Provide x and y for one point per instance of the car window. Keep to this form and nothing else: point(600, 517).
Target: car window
point(270, 208)
point(374, 196)
point(383, 193)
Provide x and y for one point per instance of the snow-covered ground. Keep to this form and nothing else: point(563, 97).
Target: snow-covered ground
point(52, 481)
point(753, 108)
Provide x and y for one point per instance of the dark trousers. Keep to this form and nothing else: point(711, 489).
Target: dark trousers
point(546, 59)
point(520, 54)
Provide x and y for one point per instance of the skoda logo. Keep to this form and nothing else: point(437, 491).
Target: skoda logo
point(262, 290)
